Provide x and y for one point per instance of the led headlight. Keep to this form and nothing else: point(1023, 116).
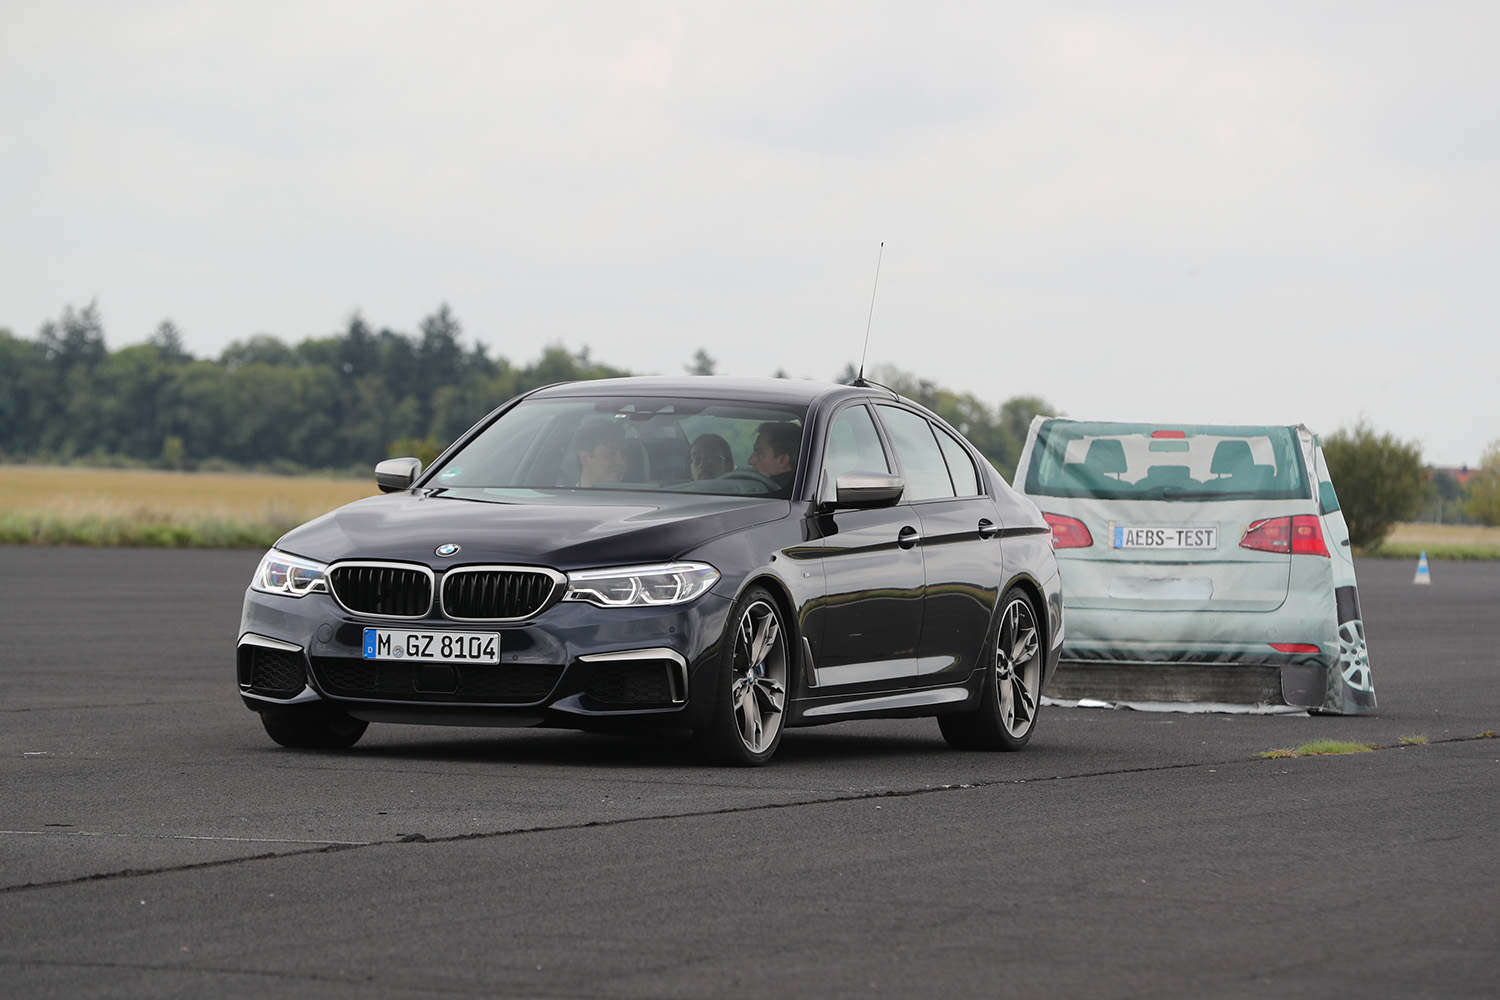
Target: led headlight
point(642, 586)
point(279, 573)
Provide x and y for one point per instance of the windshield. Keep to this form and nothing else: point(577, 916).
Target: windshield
point(714, 446)
point(1165, 462)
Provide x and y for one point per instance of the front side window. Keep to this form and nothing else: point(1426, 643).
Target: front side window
point(853, 445)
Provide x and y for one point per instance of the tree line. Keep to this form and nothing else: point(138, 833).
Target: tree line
point(349, 399)
point(331, 402)
point(338, 402)
point(1381, 480)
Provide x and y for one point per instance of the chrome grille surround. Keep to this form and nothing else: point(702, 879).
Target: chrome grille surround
point(499, 593)
point(382, 589)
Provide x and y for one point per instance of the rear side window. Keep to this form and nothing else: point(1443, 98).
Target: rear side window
point(1166, 462)
point(921, 457)
point(960, 465)
point(1328, 500)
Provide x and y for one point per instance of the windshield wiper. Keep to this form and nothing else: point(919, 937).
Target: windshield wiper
point(1178, 493)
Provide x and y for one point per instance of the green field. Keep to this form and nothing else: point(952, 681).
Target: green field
point(43, 505)
point(47, 505)
point(1441, 541)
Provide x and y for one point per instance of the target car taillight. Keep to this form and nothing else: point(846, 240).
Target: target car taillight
point(1299, 535)
point(1068, 532)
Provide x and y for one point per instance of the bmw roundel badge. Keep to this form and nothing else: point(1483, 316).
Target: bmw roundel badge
point(447, 549)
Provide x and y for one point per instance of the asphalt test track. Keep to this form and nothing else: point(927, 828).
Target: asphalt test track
point(156, 844)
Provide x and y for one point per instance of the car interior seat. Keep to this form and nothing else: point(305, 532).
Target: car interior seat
point(1231, 458)
point(1167, 477)
point(666, 459)
point(635, 461)
point(1236, 469)
point(1100, 468)
point(1106, 456)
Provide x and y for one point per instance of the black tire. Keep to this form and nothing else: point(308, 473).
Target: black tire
point(754, 677)
point(312, 727)
point(1006, 716)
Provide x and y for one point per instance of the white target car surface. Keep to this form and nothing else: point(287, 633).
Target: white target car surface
point(1203, 563)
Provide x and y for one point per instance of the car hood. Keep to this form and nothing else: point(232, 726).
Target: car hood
point(564, 530)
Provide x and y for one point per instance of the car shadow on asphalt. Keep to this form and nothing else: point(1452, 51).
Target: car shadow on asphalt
point(639, 749)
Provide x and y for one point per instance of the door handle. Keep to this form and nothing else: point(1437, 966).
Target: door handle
point(908, 537)
point(988, 528)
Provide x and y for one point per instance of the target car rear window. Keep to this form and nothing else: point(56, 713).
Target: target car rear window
point(1159, 462)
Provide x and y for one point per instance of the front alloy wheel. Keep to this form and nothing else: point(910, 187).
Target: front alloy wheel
point(1006, 716)
point(746, 727)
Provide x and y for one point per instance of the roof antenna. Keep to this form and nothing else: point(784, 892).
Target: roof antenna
point(860, 379)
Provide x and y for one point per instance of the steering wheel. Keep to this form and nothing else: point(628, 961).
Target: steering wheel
point(770, 484)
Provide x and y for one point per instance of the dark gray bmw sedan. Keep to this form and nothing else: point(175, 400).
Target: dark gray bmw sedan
point(730, 557)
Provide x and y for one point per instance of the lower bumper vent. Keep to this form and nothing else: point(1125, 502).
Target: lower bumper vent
point(386, 680)
point(274, 673)
point(635, 683)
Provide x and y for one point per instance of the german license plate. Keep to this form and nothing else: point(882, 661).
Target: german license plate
point(437, 647)
point(1132, 536)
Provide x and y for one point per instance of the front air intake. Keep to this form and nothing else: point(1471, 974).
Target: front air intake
point(635, 683)
point(271, 671)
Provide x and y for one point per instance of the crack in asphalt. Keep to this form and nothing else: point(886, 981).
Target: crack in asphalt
point(418, 838)
point(181, 836)
point(333, 847)
point(125, 873)
point(150, 703)
point(368, 981)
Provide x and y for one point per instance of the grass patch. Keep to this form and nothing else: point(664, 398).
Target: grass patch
point(1440, 541)
point(1316, 747)
point(44, 528)
point(42, 505)
point(1488, 734)
point(1415, 740)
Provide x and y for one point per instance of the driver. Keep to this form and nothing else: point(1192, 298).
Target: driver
point(775, 454)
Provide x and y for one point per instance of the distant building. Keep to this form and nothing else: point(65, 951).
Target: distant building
point(1450, 490)
point(1461, 474)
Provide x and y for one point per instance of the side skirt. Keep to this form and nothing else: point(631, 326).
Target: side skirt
point(898, 705)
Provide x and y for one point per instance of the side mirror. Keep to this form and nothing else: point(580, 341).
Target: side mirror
point(861, 490)
point(397, 473)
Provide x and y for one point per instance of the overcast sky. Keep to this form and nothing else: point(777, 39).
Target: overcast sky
point(1259, 212)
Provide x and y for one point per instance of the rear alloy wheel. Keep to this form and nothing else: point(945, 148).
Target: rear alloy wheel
point(1006, 716)
point(312, 727)
point(746, 727)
